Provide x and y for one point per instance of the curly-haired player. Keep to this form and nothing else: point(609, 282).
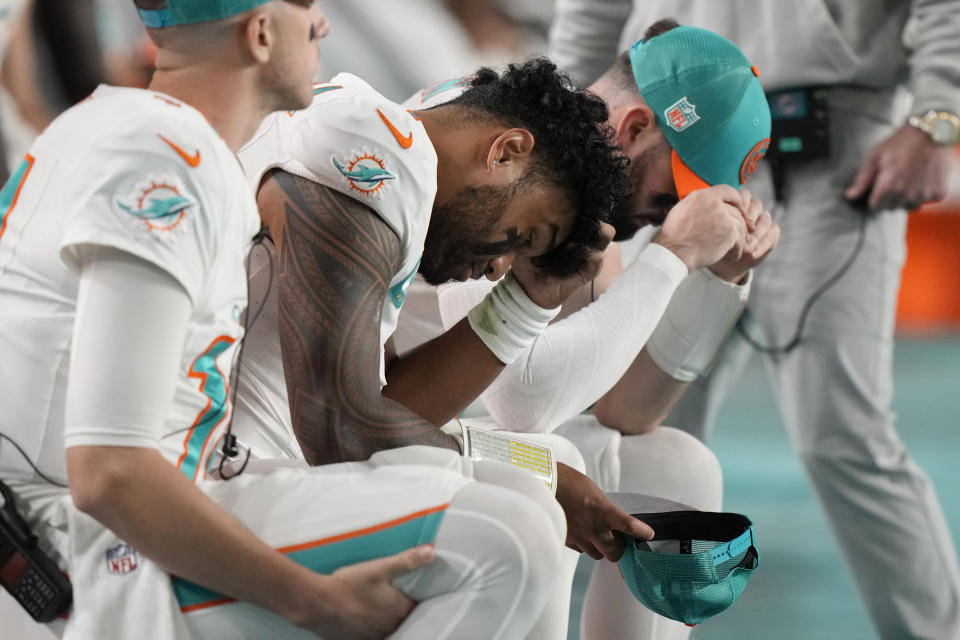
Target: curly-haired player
point(571, 155)
point(516, 176)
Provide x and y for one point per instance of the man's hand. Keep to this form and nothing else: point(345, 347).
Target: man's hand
point(905, 170)
point(760, 242)
point(705, 226)
point(361, 599)
point(592, 519)
point(550, 292)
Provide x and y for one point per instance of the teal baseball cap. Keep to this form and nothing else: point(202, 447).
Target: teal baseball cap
point(708, 101)
point(697, 564)
point(169, 13)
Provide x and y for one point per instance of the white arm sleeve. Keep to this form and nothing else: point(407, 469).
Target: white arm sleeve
point(933, 39)
point(698, 321)
point(131, 324)
point(578, 359)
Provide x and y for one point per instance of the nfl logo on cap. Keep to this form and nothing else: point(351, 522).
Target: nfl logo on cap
point(681, 114)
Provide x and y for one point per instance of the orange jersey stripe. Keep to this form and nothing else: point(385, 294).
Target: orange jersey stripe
point(5, 216)
point(362, 532)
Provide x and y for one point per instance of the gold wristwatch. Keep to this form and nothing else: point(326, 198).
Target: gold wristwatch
point(943, 127)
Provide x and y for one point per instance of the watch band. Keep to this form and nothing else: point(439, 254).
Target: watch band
point(943, 127)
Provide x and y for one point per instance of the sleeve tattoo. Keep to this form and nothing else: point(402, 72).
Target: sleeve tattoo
point(336, 259)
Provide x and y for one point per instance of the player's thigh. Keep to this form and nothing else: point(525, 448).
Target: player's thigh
point(325, 518)
point(295, 506)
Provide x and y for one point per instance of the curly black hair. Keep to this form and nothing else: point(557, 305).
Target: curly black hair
point(574, 148)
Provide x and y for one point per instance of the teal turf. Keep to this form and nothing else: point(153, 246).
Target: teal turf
point(802, 591)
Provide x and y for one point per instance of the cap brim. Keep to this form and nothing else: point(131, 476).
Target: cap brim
point(684, 178)
point(643, 503)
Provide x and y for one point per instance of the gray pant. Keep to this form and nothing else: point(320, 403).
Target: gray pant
point(834, 390)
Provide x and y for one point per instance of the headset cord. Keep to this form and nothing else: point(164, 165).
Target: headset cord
point(30, 462)
point(229, 448)
point(808, 305)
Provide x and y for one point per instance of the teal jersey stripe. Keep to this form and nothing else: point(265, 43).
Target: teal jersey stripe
point(213, 385)
point(325, 88)
point(8, 195)
point(327, 555)
point(398, 292)
point(318, 91)
point(440, 87)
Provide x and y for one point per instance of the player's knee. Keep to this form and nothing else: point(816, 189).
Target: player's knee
point(527, 485)
point(691, 454)
point(566, 452)
point(532, 541)
point(672, 464)
point(518, 530)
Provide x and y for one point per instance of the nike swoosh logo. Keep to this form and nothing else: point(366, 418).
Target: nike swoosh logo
point(404, 140)
point(192, 160)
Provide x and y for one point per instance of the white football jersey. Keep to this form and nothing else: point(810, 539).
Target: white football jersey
point(144, 173)
point(359, 143)
point(439, 93)
point(429, 309)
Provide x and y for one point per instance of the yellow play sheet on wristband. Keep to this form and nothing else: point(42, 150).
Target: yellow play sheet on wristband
point(493, 445)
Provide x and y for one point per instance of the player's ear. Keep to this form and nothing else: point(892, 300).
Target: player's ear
point(636, 128)
point(258, 37)
point(511, 151)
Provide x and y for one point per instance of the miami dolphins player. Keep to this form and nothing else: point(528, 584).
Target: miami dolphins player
point(123, 236)
point(576, 363)
point(360, 194)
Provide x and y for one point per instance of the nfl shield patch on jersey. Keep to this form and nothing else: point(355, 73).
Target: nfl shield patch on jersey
point(122, 559)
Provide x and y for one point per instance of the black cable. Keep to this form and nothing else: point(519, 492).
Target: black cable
point(30, 462)
point(229, 448)
point(808, 305)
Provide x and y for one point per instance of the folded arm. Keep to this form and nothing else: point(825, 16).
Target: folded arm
point(579, 358)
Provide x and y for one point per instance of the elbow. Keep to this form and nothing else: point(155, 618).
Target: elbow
point(88, 496)
point(611, 414)
point(95, 477)
point(605, 413)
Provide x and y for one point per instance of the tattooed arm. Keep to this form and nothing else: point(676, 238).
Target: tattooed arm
point(336, 260)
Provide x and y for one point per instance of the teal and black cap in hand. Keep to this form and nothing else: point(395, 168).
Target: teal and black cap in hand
point(708, 101)
point(169, 13)
point(697, 564)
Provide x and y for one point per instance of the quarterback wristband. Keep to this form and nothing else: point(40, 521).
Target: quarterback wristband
point(508, 321)
point(485, 443)
point(696, 324)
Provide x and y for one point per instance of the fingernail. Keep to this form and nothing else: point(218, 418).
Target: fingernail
point(425, 552)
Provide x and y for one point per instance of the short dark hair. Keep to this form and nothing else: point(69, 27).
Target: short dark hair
point(574, 147)
point(622, 70)
point(660, 27)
